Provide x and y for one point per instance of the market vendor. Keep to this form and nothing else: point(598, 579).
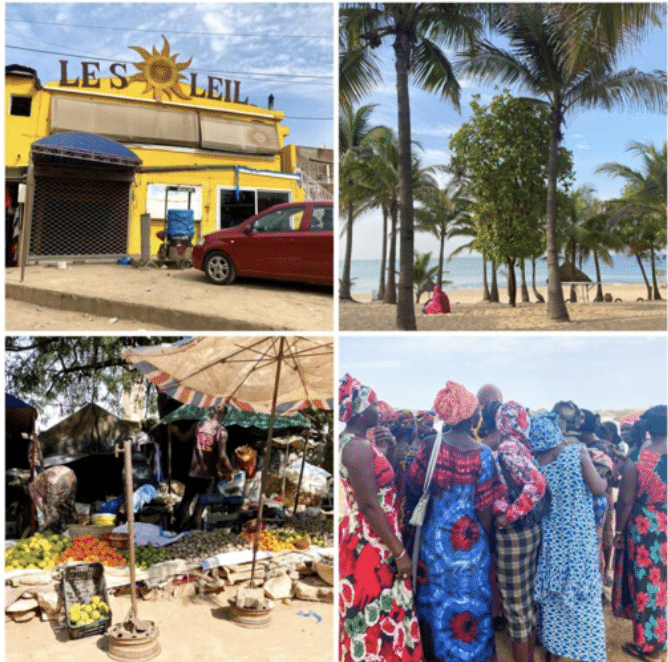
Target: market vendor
point(54, 493)
point(209, 463)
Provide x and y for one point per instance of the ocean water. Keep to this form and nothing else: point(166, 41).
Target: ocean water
point(465, 273)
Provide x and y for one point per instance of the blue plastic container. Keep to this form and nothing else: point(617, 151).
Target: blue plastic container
point(180, 223)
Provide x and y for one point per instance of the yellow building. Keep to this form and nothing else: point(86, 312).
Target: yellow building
point(190, 142)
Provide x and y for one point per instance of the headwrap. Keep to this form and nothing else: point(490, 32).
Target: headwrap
point(386, 412)
point(353, 398)
point(247, 459)
point(629, 420)
point(545, 432)
point(591, 421)
point(513, 423)
point(403, 423)
point(454, 404)
point(570, 418)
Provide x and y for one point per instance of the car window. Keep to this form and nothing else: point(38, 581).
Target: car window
point(281, 220)
point(321, 219)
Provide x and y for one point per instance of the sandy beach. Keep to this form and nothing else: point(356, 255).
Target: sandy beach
point(470, 313)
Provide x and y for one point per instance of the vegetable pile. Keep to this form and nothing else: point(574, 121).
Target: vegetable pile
point(277, 539)
point(39, 552)
point(96, 610)
point(203, 544)
point(89, 549)
point(145, 556)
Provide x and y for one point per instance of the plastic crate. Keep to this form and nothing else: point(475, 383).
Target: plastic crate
point(79, 583)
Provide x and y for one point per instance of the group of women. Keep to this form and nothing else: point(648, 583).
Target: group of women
point(474, 501)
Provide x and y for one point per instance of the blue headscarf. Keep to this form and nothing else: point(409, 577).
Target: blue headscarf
point(545, 432)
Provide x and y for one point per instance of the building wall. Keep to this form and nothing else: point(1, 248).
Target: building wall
point(208, 171)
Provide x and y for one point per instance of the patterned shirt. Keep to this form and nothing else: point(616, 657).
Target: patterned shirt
point(517, 460)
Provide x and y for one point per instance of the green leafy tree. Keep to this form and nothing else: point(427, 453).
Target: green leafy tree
point(550, 57)
point(68, 373)
point(504, 153)
point(422, 272)
point(419, 32)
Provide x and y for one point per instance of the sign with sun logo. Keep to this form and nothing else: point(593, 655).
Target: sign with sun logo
point(161, 72)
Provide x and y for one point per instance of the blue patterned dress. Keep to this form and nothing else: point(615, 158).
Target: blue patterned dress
point(568, 579)
point(454, 591)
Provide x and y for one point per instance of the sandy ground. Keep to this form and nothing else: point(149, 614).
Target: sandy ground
point(191, 628)
point(470, 313)
point(29, 317)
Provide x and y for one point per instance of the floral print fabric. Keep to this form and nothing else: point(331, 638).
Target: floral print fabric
point(354, 398)
point(639, 590)
point(376, 612)
point(517, 460)
point(454, 593)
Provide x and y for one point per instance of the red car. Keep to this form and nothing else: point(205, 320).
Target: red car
point(292, 241)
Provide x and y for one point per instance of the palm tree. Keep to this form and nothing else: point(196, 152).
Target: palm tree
point(645, 192)
point(419, 32)
point(354, 130)
point(440, 208)
point(544, 59)
point(422, 272)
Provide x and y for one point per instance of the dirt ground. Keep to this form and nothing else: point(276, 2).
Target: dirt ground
point(191, 627)
point(29, 317)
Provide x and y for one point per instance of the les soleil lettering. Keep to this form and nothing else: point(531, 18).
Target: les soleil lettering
point(161, 73)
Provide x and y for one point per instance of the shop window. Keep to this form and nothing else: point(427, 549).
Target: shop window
point(161, 197)
point(20, 106)
point(236, 209)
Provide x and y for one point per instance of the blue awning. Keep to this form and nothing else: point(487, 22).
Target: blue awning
point(74, 146)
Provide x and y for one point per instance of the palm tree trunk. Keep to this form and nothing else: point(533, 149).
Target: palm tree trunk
point(599, 287)
point(494, 294)
point(536, 293)
point(485, 289)
point(512, 284)
point(556, 306)
point(344, 291)
point(441, 256)
point(644, 276)
point(655, 284)
point(405, 308)
point(525, 289)
point(383, 256)
point(391, 288)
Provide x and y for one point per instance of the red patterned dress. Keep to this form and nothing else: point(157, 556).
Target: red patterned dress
point(377, 618)
point(639, 590)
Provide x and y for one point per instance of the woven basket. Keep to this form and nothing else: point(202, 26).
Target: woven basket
point(325, 571)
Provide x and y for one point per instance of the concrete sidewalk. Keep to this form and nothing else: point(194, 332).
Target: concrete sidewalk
point(174, 299)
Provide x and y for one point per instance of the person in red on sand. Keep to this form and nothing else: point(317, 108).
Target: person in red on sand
point(209, 463)
point(438, 304)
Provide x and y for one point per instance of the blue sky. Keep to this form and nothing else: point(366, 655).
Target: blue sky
point(284, 49)
point(594, 136)
point(611, 371)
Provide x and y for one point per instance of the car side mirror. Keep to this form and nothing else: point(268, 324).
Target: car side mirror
point(248, 229)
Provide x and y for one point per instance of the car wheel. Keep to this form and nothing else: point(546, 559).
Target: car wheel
point(219, 269)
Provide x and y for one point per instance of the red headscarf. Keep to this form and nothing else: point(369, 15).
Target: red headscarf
point(454, 404)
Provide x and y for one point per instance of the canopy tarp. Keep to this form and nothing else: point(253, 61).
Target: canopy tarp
point(210, 371)
point(90, 430)
point(244, 419)
point(19, 416)
point(78, 146)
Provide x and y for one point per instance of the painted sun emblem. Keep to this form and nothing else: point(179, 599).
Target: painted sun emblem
point(161, 72)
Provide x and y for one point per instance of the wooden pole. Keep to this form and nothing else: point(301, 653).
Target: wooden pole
point(267, 457)
point(129, 507)
point(26, 221)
